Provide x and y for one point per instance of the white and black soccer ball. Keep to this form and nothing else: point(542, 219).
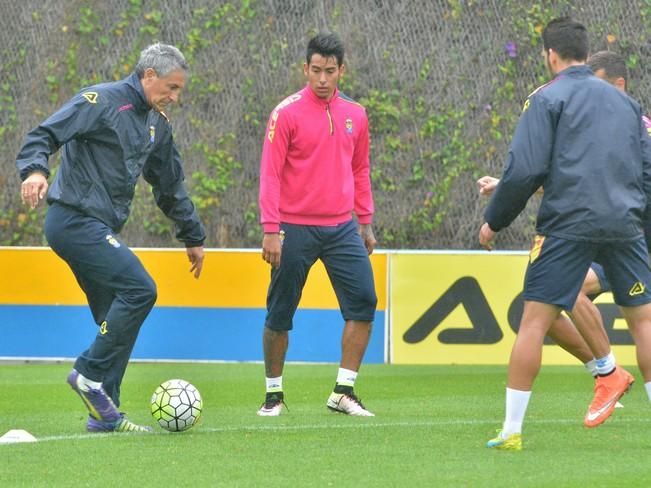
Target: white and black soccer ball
point(176, 405)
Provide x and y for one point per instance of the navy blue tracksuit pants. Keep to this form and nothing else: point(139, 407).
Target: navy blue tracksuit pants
point(119, 290)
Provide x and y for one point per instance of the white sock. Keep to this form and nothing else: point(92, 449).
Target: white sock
point(346, 377)
point(606, 364)
point(274, 384)
point(647, 387)
point(591, 366)
point(85, 384)
point(516, 406)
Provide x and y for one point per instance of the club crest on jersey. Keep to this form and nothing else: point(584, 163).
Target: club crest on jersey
point(112, 241)
point(91, 97)
point(103, 329)
point(152, 133)
point(349, 126)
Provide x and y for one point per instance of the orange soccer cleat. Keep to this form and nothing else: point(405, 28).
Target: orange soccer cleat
point(607, 391)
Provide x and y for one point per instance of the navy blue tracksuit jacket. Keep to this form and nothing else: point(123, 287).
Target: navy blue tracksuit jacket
point(584, 142)
point(110, 136)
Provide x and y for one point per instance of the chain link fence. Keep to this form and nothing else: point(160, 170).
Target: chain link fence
point(443, 83)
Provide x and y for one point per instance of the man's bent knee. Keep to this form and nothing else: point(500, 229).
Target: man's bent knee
point(362, 308)
point(144, 295)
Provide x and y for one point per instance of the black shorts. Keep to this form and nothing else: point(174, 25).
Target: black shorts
point(557, 269)
point(346, 261)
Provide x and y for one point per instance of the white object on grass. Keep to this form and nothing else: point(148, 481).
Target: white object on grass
point(17, 435)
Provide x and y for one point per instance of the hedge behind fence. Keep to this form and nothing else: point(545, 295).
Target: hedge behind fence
point(443, 83)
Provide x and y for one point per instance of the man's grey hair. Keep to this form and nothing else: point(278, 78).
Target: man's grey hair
point(162, 58)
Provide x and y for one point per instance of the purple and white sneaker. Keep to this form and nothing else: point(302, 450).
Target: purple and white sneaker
point(99, 404)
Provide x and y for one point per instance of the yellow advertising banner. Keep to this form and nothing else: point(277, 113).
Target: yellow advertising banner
point(230, 278)
point(465, 308)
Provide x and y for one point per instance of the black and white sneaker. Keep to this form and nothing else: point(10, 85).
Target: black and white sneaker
point(347, 403)
point(273, 405)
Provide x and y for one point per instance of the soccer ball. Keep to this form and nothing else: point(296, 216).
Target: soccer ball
point(176, 405)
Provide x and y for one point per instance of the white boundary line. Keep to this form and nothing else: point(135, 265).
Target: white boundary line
point(307, 427)
point(58, 360)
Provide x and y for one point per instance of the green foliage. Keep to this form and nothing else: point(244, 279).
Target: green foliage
point(126, 17)
point(447, 141)
point(455, 156)
point(645, 13)
point(20, 226)
point(158, 225)
point(383, 108)
point(7, 110)
point(152, 24)
point(210, 185)
point(88, 21)
point(148, 216)
point(52, 81)
point(392, 116)
point(8, 114)
point(209, 27)
point(423, 148)
point(254, 231)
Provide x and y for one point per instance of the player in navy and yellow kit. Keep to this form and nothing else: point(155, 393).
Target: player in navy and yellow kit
point(584, 142)
point(594, 351)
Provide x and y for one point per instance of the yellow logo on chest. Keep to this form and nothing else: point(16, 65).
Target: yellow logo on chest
point(90, 96)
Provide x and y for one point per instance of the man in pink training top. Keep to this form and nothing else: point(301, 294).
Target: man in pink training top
point(314, 173)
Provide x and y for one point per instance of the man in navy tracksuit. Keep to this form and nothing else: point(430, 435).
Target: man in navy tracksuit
point(110, 134)
point(584, 142)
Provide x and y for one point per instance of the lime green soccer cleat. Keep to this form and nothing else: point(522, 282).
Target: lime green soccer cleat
point(512, 442)
point(123, 424)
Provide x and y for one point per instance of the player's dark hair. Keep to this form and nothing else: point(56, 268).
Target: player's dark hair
point(326, 44)
point(612, 63)
point(568, 38)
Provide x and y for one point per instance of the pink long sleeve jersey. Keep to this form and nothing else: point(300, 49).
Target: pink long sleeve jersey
point(314, 168)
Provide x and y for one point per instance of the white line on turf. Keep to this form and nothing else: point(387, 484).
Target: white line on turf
point(364, 425)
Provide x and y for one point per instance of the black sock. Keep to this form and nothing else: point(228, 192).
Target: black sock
point(607, 374)
point(345, 389)
point(275, 395)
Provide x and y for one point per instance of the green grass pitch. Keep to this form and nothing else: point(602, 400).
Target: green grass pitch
point(430, 429)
